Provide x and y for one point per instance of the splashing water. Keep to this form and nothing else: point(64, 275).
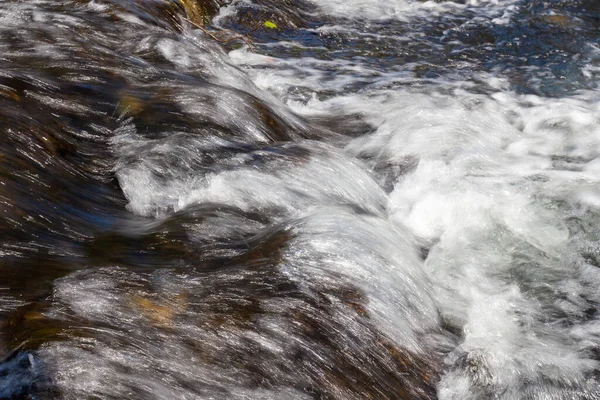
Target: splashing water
point(379, 200)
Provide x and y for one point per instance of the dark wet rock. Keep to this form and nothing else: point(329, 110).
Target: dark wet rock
point(199, 11)
point(28, 327)
point(170, 14)
point(286, 14)
point(21, 375)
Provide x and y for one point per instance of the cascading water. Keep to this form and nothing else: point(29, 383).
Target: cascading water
point(376, 200)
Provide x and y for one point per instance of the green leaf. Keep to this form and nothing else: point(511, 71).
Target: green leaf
point(270, 25)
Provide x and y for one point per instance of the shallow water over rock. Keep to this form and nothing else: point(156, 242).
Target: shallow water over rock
point(373, 200)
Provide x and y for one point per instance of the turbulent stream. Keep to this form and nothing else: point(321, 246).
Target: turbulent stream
point(370, 199)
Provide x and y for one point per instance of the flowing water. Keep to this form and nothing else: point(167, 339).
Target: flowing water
point(378, 199)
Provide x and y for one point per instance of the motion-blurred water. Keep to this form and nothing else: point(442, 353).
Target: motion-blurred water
point(378, 199)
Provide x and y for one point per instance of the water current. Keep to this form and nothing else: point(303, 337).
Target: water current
point(365, 199)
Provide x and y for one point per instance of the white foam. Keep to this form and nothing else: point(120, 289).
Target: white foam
point(404, 10)
point(486, 190)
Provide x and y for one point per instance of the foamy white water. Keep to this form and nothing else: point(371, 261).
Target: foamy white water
point(387, 199)
point(407, 9)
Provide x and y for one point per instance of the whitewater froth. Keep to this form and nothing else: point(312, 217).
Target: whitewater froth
point(375, 200)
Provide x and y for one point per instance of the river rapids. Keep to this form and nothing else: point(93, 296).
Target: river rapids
point(312, 199)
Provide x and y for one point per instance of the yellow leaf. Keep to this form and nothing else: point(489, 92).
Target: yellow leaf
point(270, 25)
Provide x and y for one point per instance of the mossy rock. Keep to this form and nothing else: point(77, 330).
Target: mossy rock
point(30, 326)
point(200, 12)
point(169, 13)
point(284, 14)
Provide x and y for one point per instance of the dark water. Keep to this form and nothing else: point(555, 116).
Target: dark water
point(377, 200)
